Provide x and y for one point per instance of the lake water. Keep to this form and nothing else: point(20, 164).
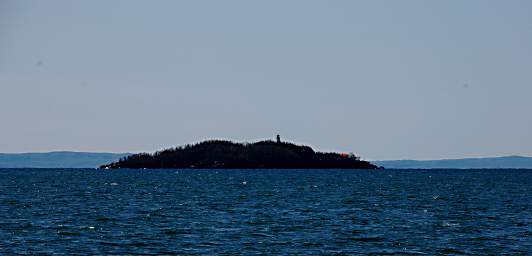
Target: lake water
point(399, 212)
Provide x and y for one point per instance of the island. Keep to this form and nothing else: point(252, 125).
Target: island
point(222, 154)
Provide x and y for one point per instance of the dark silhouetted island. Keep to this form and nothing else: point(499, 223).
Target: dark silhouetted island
point(219, 154)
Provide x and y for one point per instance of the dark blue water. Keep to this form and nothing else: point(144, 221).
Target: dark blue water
point(479, 212)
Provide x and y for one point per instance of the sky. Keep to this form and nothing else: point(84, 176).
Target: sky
point(383, 79)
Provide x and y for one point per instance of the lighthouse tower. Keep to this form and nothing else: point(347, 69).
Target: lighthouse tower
point(278, 138)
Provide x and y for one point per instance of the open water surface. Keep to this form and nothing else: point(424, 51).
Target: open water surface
point(327, 212)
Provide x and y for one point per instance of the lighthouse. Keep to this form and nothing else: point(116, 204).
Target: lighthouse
point(278, 138)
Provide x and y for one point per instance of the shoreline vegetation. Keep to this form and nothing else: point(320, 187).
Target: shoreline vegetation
point(222, 154)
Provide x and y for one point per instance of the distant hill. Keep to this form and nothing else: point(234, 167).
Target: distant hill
point(219, 154)
point(63, 159)
point(465, 163)
point(66, 159)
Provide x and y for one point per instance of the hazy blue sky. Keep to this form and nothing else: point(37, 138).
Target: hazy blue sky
point(384, 79)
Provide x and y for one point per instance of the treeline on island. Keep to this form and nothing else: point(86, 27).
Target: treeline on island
point(219, 154)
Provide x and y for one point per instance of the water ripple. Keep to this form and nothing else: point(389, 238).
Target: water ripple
point(198, 212)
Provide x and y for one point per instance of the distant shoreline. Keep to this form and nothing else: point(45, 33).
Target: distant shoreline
point(91, 160)
point(504, 162)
